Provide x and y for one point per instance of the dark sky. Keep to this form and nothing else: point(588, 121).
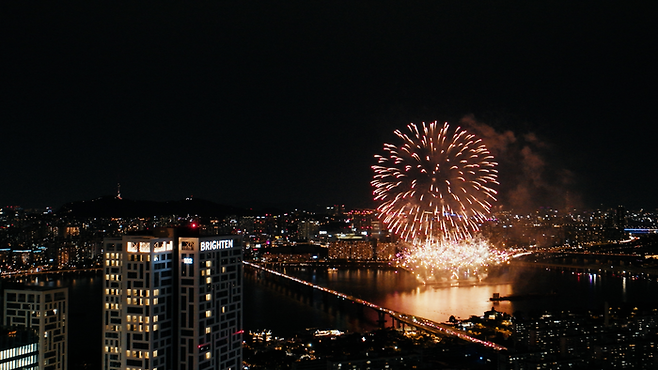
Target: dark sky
point(285, 102)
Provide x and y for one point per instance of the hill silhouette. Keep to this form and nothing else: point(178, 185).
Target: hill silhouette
point(125, 208)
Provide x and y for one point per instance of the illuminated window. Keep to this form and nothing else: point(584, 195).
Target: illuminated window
point(208, 330)
point(207, 355)
point(131, 247)
point(208, 280)
point(208, 263)
point(208, 297)
point(208, 313)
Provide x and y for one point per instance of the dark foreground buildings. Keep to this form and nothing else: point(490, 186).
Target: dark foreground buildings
point(43, 309)
point(19, 348)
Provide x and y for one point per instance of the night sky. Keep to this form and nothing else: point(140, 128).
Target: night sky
point(286, 102)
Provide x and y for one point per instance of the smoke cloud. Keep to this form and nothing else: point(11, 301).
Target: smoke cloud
point(527, 179)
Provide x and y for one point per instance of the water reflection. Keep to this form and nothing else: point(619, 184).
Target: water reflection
point(440, 302)
point(540, 290)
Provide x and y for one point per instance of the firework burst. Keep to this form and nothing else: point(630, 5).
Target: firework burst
point(435, 190)
point(435, 186)
point(467, 258)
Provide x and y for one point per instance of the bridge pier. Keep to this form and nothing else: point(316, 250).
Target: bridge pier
point(359, 311)
point(381, 319)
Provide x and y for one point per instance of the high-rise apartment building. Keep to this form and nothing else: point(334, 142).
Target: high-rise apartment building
point(172, 303)
point(44, 309)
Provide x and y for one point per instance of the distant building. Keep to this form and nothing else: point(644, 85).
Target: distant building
point(567, 340)
point(44, 309)
point(307, 229)
point(352, 249)
point(301, 252)
point(172, 303)
point(403, 361)
point(362, 222)
point(620, 218)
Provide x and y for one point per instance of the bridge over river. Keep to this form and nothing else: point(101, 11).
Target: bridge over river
point(400, 317)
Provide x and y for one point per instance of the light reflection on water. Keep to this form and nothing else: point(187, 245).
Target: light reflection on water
point(543, 290)
point(440, 302)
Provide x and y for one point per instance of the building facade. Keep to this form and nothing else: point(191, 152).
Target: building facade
point(172, 303)
point(43, 309)
point(19, 348)
point(352, 249)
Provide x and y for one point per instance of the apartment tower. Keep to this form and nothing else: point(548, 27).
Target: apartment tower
point(43, 309)
point(172, 302)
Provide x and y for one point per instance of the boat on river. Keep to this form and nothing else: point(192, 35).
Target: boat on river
point(519, 297)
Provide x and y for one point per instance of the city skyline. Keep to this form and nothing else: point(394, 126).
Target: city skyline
point(138, 278)
point(288, 103)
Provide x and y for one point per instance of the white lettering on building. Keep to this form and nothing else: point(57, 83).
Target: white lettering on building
point(213, 245)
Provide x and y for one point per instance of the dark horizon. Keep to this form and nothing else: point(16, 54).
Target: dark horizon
point(257, 207)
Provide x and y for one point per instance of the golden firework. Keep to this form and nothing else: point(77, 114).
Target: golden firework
point(435, 190)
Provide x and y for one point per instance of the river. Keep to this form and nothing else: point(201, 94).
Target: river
point(400, 291)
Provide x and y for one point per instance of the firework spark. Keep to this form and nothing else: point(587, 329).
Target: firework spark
point(435, 187)
point(435, 190)
point(467, 258)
